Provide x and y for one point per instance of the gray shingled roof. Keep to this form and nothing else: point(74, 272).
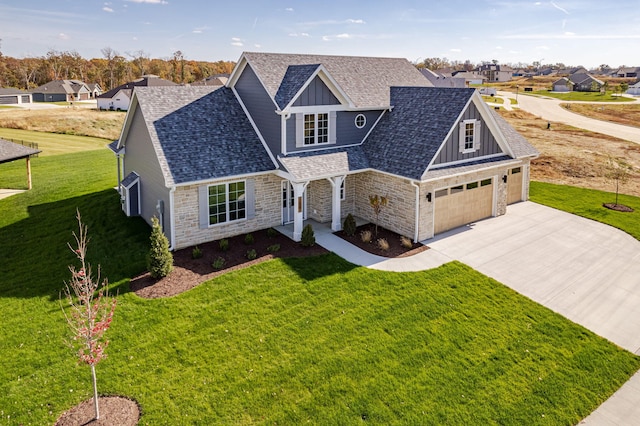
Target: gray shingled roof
point(200, 133)
point(60, 86)
point(293, 80)
point(145, 81)
point(406, 138)
point(10, 151)
point(519, 145)
point(331, 162)
point(11, 91)
point(365, 80)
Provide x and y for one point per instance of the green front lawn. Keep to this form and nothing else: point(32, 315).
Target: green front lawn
point(583, 96)
point(588, 203)
point(286, 341)
point(53, 143)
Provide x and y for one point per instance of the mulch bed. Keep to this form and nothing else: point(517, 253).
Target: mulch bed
point(618, 207)
point(189, 272)
point(395, 248)
point(114, 410)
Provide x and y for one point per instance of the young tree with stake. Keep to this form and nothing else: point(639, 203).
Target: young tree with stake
point(90, 309)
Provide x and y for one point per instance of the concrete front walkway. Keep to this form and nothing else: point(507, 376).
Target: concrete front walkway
point(587, 271)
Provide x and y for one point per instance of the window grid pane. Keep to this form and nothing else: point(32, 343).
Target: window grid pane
point(323, 128)
point(468, 135)
point(226, 202)
point(309, 129)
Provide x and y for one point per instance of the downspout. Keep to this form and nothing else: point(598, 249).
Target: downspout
point(172, 220)
point(417, 219)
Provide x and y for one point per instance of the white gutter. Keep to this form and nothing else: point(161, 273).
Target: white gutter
point(172, 221)
point(417, 219)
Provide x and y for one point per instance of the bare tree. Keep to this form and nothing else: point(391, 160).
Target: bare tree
point(618, 171)
point(110, 54)
point(91, 309)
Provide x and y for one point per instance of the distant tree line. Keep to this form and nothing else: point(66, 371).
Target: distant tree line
point(112, 70)
point(444, 63)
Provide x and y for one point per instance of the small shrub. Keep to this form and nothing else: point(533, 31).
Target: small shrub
point(272, 233)
point(366, 236)
point(308, 238)
point(196, 253)
point(406, 242)
point(349, 226)
point(159, 259)
point(248, 239)
point(273, 248)
point(223, 244)
point(251, 254)
point(383, 244)
point(218, 263)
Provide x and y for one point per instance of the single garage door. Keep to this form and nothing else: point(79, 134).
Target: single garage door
point(8, 100)
point(514, 185)
point(462, 204)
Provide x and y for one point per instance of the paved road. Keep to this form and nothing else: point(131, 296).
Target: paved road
point(550, 109)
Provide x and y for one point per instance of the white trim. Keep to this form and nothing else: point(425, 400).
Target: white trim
point(213, 180)
point(468, 160)
point(492, 125)
point(373, 127)
point(513, 162)
point(417, 210)
point(227, 211)
point(355, 120)
point(255, 128)
point(309, 109)
point(172, 221)
point(462, 137)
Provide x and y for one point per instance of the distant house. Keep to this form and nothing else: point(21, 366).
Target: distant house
point(627, 72)
point(495, 72)
point(118, 98)
point(440, 80)
point(585, 83)
point(62, 91)
point(634, 89)
point(10, 96)
point(469, 78)
point(563, 85)
point(213, 80)
point(571, 71)
point(296, 137)
point(95, 90)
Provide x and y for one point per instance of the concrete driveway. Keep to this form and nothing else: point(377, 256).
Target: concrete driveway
point(584, 270)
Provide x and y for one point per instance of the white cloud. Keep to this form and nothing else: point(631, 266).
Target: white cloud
point(289, 9)
point(235, 41)
point(197, 31)
point(299, 35)
point(498, 47)
point(326, 38)
point(63, 36)
point(569, 33)
point(107, 9)
point(344, 35)
point(573, 36)
point(559, 8)
point(257, 46)
point(537, 3)
point(355, 21)
point(455, 50)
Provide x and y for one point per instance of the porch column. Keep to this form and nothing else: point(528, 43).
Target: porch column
point(29, 184)
point(336, 183)
point(298, 215)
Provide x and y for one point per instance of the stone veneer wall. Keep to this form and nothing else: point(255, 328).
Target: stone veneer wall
point(319, 200)
point(399, 214)
point(268, 213)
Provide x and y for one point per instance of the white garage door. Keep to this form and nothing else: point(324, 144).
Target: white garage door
point(462, 204)
point(514, 185)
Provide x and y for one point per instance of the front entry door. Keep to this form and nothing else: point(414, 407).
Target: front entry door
point(288, 202)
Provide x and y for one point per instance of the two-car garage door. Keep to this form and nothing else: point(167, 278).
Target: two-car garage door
point(462, 204)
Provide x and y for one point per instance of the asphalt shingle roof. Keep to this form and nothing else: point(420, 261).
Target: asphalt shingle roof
point(519, 145)
point(406, 138)
point(147, 80)
point(331, 162)
point(200, 133)
point(293, 80)
point(365, 80)
point(10, 151)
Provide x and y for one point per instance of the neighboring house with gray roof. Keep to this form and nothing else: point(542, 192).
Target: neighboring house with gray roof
point(62, 91)
point(295, 137)
point(562, 85)
point(118, 98)
point(585, 83)
point(10, 96)
point(441, 80)
point(634, 89)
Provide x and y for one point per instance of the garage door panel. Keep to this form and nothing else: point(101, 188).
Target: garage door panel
point(472, 203)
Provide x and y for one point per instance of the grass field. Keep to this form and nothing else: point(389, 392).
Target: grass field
point(626, 114)
point(583, 96)
point(53, 143)
point(287, 341)
point(588, 203)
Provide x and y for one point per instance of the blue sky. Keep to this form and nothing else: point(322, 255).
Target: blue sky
point(574, 32)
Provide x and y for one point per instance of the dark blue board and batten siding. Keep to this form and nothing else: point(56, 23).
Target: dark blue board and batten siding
point(260, 107)
point(316, 93)
point(451, 150)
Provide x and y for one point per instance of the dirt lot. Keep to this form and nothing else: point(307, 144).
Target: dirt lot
point(629, 115)
point(70, 121)
point(573, 156)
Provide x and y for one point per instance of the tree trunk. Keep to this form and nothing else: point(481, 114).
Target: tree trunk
point(95, 391)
